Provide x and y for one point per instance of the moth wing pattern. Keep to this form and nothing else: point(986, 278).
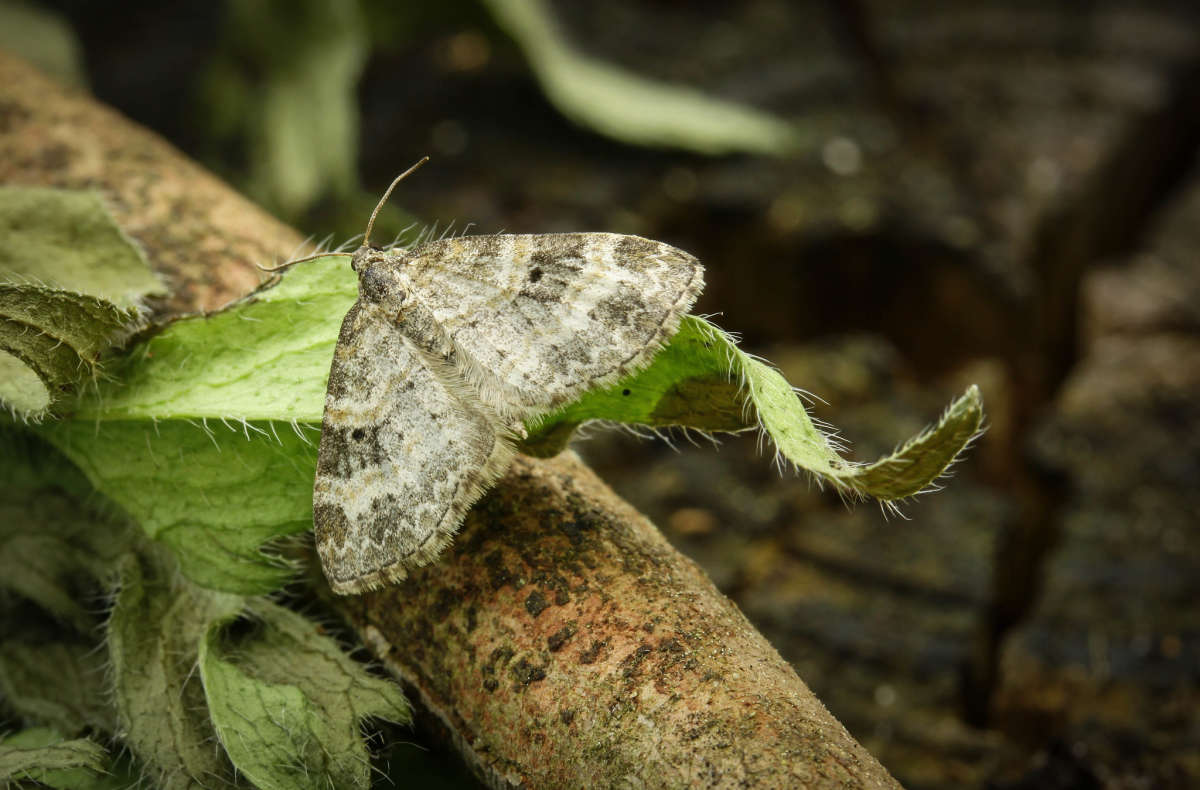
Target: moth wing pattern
point(540, 319)
point(402, 457)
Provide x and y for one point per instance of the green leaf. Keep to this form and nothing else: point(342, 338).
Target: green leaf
point(154, 633)
point(634, 109)
point(265, 358)
point(286, 82)
point(206, 433)
point(51, 342)
point(71, 287)
point(286, 703)
point(702, 380)
point(55, 546)
point(215, 494)
point(66, 240)
point(58, 683)
point(42, 755)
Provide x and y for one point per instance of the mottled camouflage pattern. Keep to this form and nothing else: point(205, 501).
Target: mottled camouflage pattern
point(450, 345)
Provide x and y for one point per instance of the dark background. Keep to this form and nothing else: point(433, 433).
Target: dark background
point(1005, 193)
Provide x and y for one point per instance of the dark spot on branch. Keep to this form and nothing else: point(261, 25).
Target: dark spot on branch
point(536, 603)
point(525, 673)
point(590, 655)
point(559, 638)
point(634, 660)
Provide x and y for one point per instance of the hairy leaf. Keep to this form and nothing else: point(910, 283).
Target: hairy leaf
point(66, 240)
point(265, 358)
point(702, 380)
point(154, 633)
point(214, 494)
point(54, 545)
point(42, 755)
point(58, 683)
point(206, 433)
point(71, 285)
point(286, 703)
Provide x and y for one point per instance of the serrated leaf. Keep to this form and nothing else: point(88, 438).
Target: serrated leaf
point(154, 633)
point(634, 109)
point(58, 683)
point(286, 703)
point(702, 380)
point(42, 755)
point(71, 285)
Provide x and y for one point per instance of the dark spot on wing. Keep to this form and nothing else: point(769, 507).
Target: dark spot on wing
point(633, 252)
point(554, 265)
point(625, 308)
point(576, 350)
point(331, 525)
point(381, 518)
point(345, 451)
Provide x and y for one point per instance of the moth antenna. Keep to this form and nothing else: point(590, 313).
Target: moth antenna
point(386, 195)
point(290, 264)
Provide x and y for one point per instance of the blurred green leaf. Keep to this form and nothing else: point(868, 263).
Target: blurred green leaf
point(287, 84)
point(633, 109)
point(55, 548)
point(57, 683)
point(42, 755)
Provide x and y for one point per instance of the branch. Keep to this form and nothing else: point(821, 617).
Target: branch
point(562, 641)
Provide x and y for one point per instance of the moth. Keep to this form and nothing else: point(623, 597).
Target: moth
point(450, 347)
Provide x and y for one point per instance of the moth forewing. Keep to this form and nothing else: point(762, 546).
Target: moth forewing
point(538, 320)
point(450, 345)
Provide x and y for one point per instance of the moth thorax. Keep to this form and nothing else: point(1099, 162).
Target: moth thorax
point(379, 283)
